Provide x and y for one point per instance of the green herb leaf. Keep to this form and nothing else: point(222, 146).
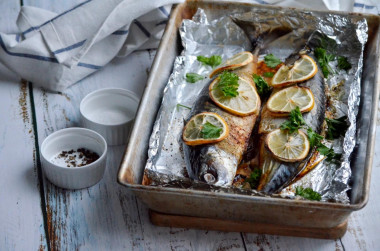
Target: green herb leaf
point(272, 61)
point(294, 122)
point(308, 193)
point(331, 156)
point(262, 86)
point(210, 131)
point(183, 106)
point(193, 77)
point(212, 61)
point(268, 74)
point(343, 63)
point(314, 138)
point(228, 84)
point(327, 43)
point(254, 178)
point(336, 127)
point(323, 59)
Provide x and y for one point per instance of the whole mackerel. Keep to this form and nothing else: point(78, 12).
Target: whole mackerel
point(216, 163)
point(276, 174)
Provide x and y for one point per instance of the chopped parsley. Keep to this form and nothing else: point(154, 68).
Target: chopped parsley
point(331, 156)
point(324, 58)
point(212, 61)
point(183, 106)
point(272, 61)
point(327, 43)
point(268, 74)
point(294, 122)
point(343, 63)
point(210, 131)
point(308, 193)
point(336, 127)
point(314, 138)
point(254, 178)
point(228, 84)
point(325, 53)
point(261, 85)
point(193, 77)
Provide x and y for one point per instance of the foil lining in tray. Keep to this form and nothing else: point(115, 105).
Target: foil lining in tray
point(229, 35)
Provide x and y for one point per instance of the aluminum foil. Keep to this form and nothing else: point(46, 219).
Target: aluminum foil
point(222, 36)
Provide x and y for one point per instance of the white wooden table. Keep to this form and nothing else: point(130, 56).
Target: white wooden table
point(36, 215)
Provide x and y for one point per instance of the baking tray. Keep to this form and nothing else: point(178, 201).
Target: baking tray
point(294, 214)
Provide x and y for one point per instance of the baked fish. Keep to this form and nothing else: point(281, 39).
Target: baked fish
point(216, 163)
point(277, 174)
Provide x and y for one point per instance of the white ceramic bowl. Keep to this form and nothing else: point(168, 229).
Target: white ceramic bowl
point(65, 140)
point(110, 112)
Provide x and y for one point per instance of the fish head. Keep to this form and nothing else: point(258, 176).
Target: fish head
point(215, 166)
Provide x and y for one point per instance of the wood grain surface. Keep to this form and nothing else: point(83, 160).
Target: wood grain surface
point(21, 217)
point(107, 216)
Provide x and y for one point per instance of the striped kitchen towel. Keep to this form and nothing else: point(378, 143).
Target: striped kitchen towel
point(55, 51)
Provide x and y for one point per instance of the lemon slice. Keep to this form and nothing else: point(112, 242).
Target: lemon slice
point(284, 101)
point(236, 61)
point(205, 128)
point(247, 101)
point(288, 147)
point(302, 70)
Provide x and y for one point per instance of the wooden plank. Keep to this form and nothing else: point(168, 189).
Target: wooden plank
point(21, 218)
point(167, 220)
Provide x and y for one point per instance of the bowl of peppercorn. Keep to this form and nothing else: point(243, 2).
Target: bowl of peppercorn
point(74, 158)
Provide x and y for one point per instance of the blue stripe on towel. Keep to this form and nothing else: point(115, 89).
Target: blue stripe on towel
point(41, 58)
point(16, 54)
point(121, 32)
point(361, 5)
point(261, 2)
point(63, 13)
point(162, 22)
point(142, 28)
point(91, 66)
point(71, 47)
point(163, 10)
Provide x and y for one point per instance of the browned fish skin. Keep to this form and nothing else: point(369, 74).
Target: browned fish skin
point(216, 163)
point(276, 174)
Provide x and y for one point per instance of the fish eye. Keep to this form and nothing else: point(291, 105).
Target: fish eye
point(209, 178)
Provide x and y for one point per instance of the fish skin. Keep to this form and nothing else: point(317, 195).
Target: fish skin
point(216, 163)
point(277, 174)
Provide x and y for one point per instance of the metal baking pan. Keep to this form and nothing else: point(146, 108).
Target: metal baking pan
point(266, 210)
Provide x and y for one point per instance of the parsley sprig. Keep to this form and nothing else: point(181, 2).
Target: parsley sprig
point(212, 61)
point(210, 131)
point(254, 178)
point(261, 85)
point(336, 127)
point(228, 84)
point(272, 61)
point(193, 77)
point(183, 106)
point(324, 58)
point(294, 122)
point(268, 74)
point(308, 193)
point(331, 156)
point(324, 53)
point(343, 63)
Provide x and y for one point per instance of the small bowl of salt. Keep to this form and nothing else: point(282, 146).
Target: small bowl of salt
point(110, 112)
point(74, 158)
